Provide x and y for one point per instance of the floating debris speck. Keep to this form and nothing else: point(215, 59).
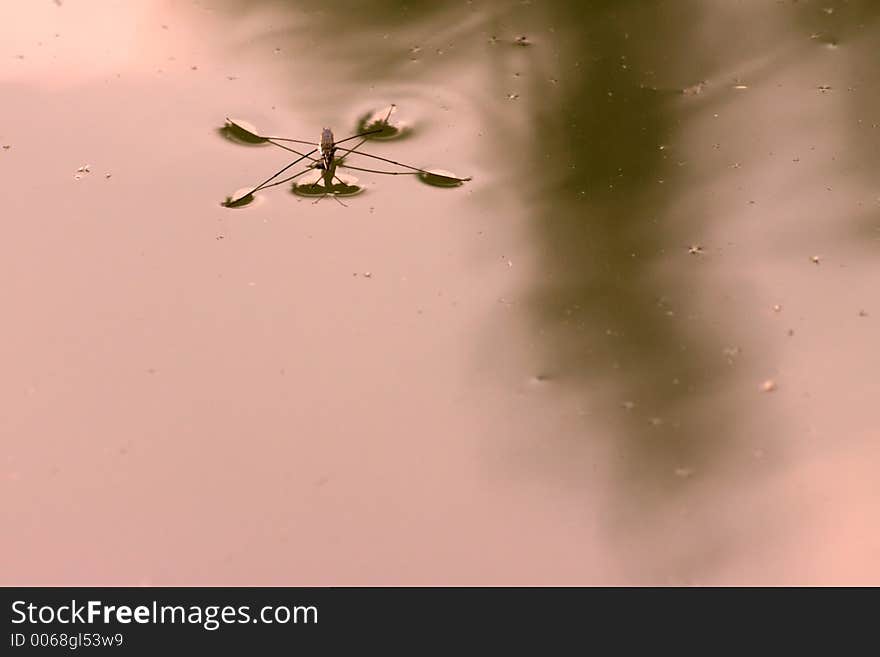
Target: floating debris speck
point(769, 385)
point(512, 96)
point(523, 40)
point(695, 249)
point(825, 39)
point(824, 87)
point(777, 308)
point(815, 259)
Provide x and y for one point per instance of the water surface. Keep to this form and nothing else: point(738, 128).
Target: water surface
point(639, 347)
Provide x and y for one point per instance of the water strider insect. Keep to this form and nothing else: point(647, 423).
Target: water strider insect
point(325, 159)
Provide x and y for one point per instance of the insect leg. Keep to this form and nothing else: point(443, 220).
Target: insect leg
point(289, 178)
point(406, 166)
point(362, 141)
point(266, 182)
point(287, 148)
point(388, 173)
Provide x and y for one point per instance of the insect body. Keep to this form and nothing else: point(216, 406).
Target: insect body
point(324, 158)
point(328, 148)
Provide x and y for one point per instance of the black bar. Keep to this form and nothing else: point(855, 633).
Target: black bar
point(396, 620)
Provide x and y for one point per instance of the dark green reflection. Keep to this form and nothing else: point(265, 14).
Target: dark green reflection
point(440, 178)
point(607, 89)
point(387, 129)
point(237, 201)
point(341, 188)
point(240, 132)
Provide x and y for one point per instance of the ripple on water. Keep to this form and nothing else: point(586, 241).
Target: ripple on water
point(385, 120)
point(241, 132)
point(240, 198)
point(441, 178)
point(312, 186)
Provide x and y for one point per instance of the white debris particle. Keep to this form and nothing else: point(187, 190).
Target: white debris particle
point(695, 89)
